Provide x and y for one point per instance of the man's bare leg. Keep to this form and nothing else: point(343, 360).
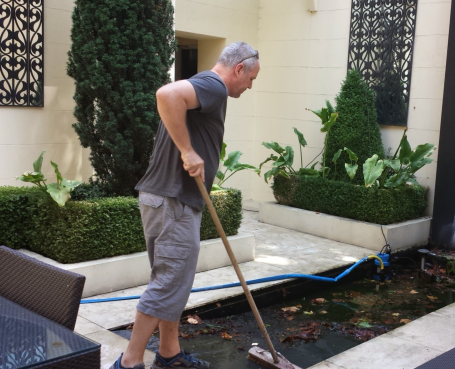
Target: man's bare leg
point(143, 328)
point(169, 339)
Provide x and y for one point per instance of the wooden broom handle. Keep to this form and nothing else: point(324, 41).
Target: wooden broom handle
point(249, 297)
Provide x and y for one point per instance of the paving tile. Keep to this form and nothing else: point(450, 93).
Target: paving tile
point(112, 345)
point(85, 326)
point(385, 351)
point(435, 330)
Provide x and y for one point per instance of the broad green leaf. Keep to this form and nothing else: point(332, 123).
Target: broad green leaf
point(372, 169)
point(412, 181)
point(351, 169)
point(330, 108)
point(307, 172)
point(283, 173)
point(416, 165)
point(267, 175)
point(312, 167)
point(215, 188)
point(275, 146)
point(396, 180)
point(327, 125)
point(325, 116)
point(32, 177)
point(70, 183)
point(317, 112)
point(289, 156)
point(219, 175)
point(352, 155)
point(300, 136)
point(60, 195)
point(336, 156)
point(405, 151)
point(394, 164)
point(422, 151)
point(233, 158)
point(271, 157)
point(38, 163)
point(240, 166)
point(57, 172)
point(223, 152)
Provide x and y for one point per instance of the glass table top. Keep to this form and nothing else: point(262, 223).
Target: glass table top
point(28, 339)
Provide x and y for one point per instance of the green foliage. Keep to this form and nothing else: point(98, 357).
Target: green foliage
point(228, 205)
point(356, 127)
point(381, 206)
point(89, 230)
point(93, 190)
point(17, 208)
point(231, 163)
point(59, 191)
point(120, 55)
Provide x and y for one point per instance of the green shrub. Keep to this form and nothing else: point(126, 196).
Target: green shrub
point(17, 206)
point(121, 53)
point(356, 127)
point(381, 206)
point(228, 205)
point(93, 229)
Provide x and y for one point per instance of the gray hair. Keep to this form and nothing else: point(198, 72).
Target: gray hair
point(238, 52)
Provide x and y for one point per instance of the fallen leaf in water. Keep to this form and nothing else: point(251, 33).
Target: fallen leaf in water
point(226, 336)
point(319, 300)
point(432, 298)
point(406, 321)
point(308, 312)
point(323, 312)
point(292, 309)
point(396, 314)
point(290, 317)
point(413, 292)
point(185, 335)
point(194, 319)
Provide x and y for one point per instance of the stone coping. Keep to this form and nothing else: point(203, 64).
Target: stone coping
point(399, 236)
point(126, 271)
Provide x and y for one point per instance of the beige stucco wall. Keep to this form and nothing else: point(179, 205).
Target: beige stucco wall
point(25, 132)
point(303, 57)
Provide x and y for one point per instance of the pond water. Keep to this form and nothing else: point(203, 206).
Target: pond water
point(316, 326)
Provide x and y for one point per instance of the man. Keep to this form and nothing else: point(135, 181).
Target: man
point(188, 144)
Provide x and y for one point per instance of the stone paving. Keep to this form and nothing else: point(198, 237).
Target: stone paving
point(282, 251)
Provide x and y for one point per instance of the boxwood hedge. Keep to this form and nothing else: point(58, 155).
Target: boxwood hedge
point(384, 206)
point(92, 229)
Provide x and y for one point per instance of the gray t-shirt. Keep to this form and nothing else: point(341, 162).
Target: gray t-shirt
point(165, 175)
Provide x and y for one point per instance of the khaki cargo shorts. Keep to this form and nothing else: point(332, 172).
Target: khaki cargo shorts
point(172, 235)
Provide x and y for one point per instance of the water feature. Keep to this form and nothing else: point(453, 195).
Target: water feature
point(315, 326)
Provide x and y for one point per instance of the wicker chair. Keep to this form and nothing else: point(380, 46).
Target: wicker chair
point(42, 288)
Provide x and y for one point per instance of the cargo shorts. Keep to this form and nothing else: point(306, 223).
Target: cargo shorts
point(172, 236)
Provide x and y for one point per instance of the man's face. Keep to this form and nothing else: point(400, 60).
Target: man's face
point(243, 80)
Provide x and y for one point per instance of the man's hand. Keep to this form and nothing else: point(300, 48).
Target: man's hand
point(193, 164)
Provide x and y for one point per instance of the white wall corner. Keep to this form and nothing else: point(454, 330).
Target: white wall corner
point(312, 6)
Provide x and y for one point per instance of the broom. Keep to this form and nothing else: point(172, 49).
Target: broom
point(267, 358)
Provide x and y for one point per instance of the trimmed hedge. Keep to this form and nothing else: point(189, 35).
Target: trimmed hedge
point(93, 229)
point(384, 206)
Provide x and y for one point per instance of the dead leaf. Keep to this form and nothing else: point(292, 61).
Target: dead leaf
point(194, 319)
point(432, 298)
point(185, 335)
point(319, 300)
point(290, 317)
point(218, 304)
point(413, 292)
point(323, 312)
point(308, 312)
point(226, 336)
point(405, 321)
point(396, 314)
point(292, 309)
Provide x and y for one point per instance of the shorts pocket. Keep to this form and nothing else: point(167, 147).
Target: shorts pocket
point(150, 199)
point(169, 266)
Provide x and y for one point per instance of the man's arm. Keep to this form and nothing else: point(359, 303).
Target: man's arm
point(173, 100)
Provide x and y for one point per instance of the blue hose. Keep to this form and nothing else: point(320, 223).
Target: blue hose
point(253, 281)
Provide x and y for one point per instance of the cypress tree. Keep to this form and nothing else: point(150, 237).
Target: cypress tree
point(356, 127)
point(120, 55)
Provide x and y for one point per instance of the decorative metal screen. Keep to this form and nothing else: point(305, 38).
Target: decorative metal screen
point(21, 53)
point(380, 48)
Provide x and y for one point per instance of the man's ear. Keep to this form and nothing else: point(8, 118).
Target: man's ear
point(239, 68)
